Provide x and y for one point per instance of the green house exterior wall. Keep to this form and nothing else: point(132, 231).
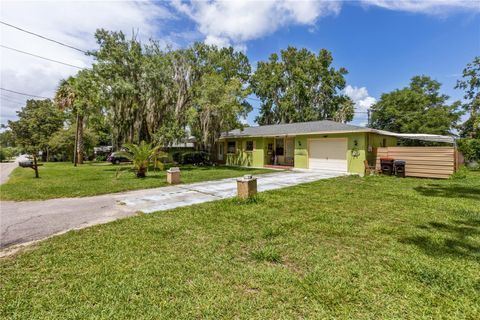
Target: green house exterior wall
point(245, 158)
point(357, 150)
point(376, 141)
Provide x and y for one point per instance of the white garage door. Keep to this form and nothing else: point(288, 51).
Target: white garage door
point(328, 154)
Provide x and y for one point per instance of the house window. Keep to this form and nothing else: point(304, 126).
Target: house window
point(384, 142)
point(279, 145)
point(249, 146)
point(231, 146)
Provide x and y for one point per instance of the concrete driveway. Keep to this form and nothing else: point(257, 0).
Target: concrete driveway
point(7, 167)
point(22, 222)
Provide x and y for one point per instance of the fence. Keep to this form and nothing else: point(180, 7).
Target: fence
point(425, 162)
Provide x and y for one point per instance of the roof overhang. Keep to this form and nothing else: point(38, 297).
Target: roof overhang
point(293, 134)
point(411, 136)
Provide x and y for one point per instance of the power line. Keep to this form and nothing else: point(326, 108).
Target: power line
point(3, 95)
point(24, 94)
point(43, 37)
point(37, 56)
point(10, 99)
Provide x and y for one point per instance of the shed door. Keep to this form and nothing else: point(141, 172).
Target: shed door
point(328, 154)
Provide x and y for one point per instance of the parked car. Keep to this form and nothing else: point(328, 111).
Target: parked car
point(115, 158)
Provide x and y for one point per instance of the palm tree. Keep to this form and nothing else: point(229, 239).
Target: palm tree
point(65, 98)
point(141, 155)
point(81, 95)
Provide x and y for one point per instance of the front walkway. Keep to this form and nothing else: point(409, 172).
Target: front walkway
point(22, 222)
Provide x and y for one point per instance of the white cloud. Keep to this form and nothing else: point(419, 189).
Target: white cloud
point(70, 22)
point(226, 23)
point(426, 6)
point(217, 41)
point(363, 101)
point(235, 22)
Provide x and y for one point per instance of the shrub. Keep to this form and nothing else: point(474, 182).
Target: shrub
point(191, 157)
point(470, 148)
point(61, 143)
point(195, 157)
point(7, 153)
point(177, 156)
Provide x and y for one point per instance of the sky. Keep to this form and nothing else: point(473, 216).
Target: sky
point(381, 43)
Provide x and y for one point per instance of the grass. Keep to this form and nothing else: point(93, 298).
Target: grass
point(358, 248)
point(60, 180)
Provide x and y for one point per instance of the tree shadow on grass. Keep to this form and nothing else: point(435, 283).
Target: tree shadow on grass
point(454, 239)
point(449, 191)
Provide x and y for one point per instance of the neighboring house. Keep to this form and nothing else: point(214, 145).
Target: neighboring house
point(323, 144)
point(188, 143)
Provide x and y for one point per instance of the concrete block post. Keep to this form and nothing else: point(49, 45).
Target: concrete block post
point(173, 175)
point(246, 187)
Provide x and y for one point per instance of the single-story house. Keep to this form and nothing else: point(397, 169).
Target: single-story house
point(326, 145)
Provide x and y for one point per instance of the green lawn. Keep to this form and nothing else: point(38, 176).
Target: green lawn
point(357, 248)
point(60, 180)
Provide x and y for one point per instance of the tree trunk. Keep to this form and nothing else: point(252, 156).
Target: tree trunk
point(141, 173)
point(80, 140)
point(35, 166)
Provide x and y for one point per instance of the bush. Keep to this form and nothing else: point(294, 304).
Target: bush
point(177, 156)
point(61, 143)
point(6, 153)
point(191, 157)
point(470, 148)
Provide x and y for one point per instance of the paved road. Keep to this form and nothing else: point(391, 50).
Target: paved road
point(7, 167)
point(22, 222)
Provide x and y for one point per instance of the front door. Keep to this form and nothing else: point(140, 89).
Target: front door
point(269, 155)
point(279, 151)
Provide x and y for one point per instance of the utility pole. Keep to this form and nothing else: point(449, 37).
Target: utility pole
point(75, 145)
